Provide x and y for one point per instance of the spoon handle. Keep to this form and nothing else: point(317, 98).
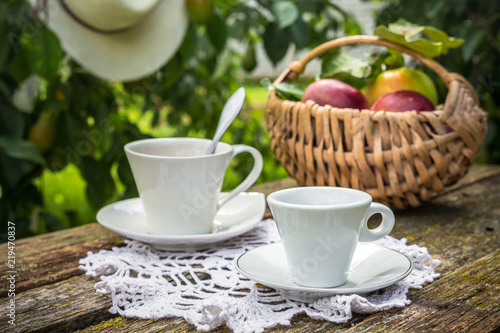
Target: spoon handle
point(229, 113)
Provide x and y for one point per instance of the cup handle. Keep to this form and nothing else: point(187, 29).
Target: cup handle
point(369, 235)
point(252, 176)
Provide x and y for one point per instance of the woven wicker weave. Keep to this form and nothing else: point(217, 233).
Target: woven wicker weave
point(401, 158)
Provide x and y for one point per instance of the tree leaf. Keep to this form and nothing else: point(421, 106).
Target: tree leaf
point(440, 36)
point(11, 120)
point(71, 128)
point(21, 149)
point(409, 35)
point(300, 33)
point(223, 65)
point(286, 13)
point(225, 5)
point(422, 46)
point(474, 39)
point(19, 66)
point(100, 184)
point(291, 91)
point(217, 31)
point(4, 48)
point(352, 27)
point(54, 223)
point(44, 52)
point(339, 62)
point(276, 43)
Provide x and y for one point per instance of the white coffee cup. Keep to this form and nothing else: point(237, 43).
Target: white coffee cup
point(179, 185)
point(320, 227)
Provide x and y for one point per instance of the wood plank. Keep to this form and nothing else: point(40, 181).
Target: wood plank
point(58, 307)
point(475, 286)
point(466, 300)
point(300, 323)
point(53, 257)
point(73, 305)
point(458, 227)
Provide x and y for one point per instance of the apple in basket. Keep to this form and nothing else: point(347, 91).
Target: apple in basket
point(403, 100)
point(335, 93)
point(401, 79)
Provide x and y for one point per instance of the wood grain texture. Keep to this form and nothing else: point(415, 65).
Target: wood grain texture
point(53, 257)
point(460, 227)
point(63, 306)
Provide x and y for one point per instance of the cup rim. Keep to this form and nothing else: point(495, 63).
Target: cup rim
point(129, 148)
point(273, 199)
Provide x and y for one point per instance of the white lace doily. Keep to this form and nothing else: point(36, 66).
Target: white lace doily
point(205, 289)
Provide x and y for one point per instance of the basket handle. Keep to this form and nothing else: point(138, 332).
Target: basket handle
point(297, 67)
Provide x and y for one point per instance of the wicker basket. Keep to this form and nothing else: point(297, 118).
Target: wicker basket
point(401, 158)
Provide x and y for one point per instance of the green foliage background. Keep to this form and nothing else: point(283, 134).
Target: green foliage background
point(85, 166)
point(92, 119)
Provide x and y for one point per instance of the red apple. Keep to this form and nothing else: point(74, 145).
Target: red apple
point(335, 93)
point(403, 100)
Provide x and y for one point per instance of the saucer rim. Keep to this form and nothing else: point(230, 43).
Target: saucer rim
point(208, 238)
point(339, 290)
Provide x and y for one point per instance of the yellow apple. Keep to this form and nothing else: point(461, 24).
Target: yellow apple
point(401, 79)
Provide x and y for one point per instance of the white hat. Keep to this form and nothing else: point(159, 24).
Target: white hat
point(121, 40)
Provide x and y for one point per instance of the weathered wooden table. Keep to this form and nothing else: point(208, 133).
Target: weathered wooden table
point(460, 227)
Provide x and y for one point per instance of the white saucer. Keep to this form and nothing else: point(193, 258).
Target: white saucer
point(373, 267)
point(236, 217)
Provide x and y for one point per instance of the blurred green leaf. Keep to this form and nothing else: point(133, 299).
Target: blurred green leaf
point(52, 222)
point(11, 120)
point(217, 31)
point(276, 42)
point(100, 184)
point(404, 33)
point(223, 65)
point(291, 91)
point(474, 39)
point(71, 129)
point(19, 67)
point(171, 73)
point(21, 149)
point(300, 33)
point(286, 13)
point(225, 5)
point(43, 52)
point(4, 48)
point(339, 62)
point(352, 27)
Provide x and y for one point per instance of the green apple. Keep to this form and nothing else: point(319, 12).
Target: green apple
point(401, 79)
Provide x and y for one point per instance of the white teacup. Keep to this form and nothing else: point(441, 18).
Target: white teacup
point(320, 227)
point(179, 185)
